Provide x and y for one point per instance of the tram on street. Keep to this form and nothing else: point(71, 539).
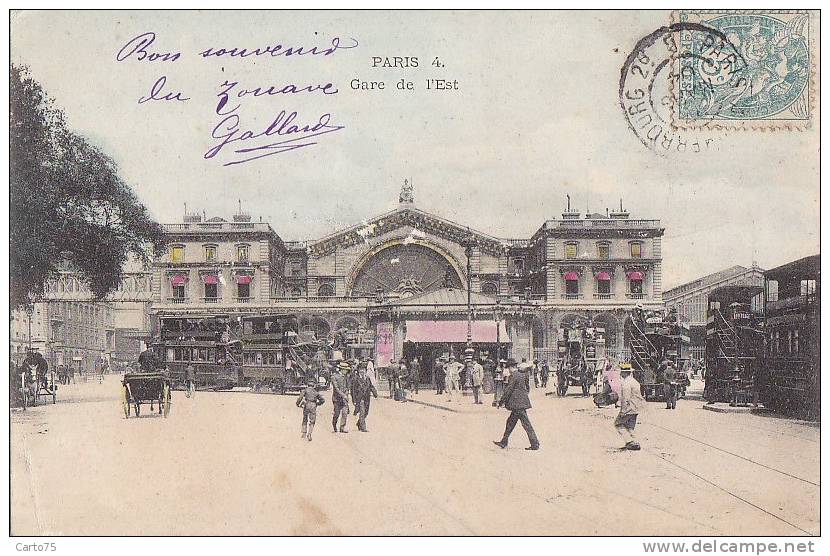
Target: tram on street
point(734, 343)
point(790, 380)
point(578, 349)
point(210, 344)
point(652, 337)
point(277, 357)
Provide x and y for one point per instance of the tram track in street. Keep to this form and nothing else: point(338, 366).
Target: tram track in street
point(733, 454)
point(535, 494)
point(714, 484)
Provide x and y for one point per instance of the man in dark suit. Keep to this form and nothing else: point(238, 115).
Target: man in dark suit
point(516, 399)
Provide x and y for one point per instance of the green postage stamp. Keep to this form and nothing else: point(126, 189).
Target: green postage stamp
point(746, 69)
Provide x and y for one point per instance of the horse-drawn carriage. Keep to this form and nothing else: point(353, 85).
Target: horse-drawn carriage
point(32, 380)
point(146, 387)
point(574, 345)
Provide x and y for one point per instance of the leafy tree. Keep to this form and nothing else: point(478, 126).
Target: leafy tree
point(67, 203)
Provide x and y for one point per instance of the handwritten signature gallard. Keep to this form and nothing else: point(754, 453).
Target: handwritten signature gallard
point(291, 133)
point(287, 131)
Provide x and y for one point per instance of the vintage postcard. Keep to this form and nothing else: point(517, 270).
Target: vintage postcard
point(416, 273)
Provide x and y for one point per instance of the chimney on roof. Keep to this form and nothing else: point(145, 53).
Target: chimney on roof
point(190, 217)
point(622, 214)
point(241, 216)
point(570, 214)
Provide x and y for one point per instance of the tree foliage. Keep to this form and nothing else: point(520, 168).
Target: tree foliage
point(67, 203)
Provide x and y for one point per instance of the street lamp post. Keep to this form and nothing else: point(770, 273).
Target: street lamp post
point(497, 318)
point(469, 243)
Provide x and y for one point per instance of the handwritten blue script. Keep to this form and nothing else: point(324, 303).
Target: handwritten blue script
point(157, 92)
point(286, 127)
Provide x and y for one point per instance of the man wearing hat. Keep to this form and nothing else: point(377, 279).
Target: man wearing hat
point(631, 401)
point(340, 395)
point(516, 399)
point(453, 369)
point(669, 382)
point(440, 375)
point(498, 381)
point(309, 400)
point(363, 392)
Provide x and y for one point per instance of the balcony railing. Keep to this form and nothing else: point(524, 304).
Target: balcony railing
point(572, 296)
point(603, 296)
point(178, 299)
point(210, 299)
point(635, 295)
point(242, 299)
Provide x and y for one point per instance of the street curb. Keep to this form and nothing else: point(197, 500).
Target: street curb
point(727, 409)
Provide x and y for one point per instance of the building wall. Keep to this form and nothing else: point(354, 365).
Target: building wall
point(691, 302)
point(62, 330)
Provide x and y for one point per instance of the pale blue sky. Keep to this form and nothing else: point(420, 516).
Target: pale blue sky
point(536, 117)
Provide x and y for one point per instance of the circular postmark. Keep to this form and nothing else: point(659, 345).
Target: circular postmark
point(653, 74)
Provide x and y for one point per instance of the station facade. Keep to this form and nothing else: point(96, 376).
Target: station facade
point(402, 282)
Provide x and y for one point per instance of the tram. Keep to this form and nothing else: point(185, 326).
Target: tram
point(734, 344)
point(790, 381)
point(211, 344)
point(651, 338)
point(578, 352)
point(277, 358)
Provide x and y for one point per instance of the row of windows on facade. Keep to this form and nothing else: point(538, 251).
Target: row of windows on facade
point(79, 311)
point(784, 343)
point(243, 291)
point(177, 253)
point(603, 287)
point(603, 252)
point(806, 288)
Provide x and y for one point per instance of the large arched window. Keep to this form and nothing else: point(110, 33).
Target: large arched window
point(325, 290)
point(404, 269)
point(489, 288)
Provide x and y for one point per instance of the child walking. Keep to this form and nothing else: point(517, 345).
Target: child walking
point(309, 399)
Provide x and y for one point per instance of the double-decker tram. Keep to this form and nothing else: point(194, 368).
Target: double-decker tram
point(210, 344)
point(734, 344)
point(790, 381)
point(276, 357)
point(652, 338)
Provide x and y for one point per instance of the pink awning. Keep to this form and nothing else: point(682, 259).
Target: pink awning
point(243, 279)
point(603, 276)
point(178, 279)
point(635, 275)
point(572, 276)
point(454, 331)
point(210, 279)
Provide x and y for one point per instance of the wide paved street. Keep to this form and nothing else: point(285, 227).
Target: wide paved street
point(233, 463)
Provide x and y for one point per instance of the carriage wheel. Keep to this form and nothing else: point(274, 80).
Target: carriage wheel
point(167, 397)
point(125, 402)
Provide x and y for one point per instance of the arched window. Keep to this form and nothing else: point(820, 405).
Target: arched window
point(489, 288)
point(325, 290)
point(295, 292)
